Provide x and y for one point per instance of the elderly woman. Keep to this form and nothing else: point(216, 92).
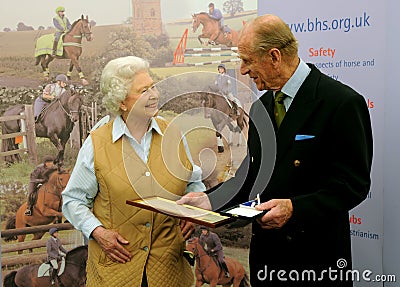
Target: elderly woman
point(125, 159)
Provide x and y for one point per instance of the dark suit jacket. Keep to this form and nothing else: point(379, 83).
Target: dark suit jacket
point(324, 176)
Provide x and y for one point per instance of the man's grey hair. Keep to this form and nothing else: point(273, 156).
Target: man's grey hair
point(116, 80)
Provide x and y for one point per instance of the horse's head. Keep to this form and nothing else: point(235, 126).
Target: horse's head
point(85, 28)
point(59, 180)
point(195, 22)
point(192, 245)
point(75, 102)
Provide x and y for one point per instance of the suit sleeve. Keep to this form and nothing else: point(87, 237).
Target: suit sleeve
point(347, 180)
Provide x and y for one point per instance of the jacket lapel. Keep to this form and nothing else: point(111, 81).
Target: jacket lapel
point(302, 107)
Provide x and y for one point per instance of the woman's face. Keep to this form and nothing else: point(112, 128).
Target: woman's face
point(142, 100)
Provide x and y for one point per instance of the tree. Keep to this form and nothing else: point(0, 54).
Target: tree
point(41, 28)
point(7, 30)
point(92, 23)
point(22, 27)
point(233, 6)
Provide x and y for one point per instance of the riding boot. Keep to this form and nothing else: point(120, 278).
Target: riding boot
point(53, 276)
point(54, 52)
point(226, 271)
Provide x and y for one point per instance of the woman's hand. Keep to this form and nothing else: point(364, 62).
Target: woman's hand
point(112, 244)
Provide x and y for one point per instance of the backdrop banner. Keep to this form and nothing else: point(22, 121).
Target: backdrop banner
point(338, 41)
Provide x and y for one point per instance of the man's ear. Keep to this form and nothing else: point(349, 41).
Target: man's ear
point(276, 55)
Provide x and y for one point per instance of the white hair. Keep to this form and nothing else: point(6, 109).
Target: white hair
point(116, 80)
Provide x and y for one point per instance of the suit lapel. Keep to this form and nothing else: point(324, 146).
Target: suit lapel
point(302, 107)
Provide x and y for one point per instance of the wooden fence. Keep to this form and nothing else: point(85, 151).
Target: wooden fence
point(34, 257)
point(27, 132)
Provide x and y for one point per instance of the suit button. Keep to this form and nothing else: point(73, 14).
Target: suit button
point(147, 173)
point(296, 163)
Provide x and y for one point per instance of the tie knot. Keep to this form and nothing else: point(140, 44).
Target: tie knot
point(279, 97)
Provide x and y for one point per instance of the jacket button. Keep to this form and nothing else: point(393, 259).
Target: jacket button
point(147, 224)
point(147, 173)
point(146, 248)
point(288, 238)
point(296, 163)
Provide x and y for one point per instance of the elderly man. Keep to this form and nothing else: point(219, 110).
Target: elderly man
point(322, 166)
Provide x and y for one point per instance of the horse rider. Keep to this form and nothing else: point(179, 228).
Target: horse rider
point(217, 15)
point(212, 244)
point(55, 252)
point(50, 92)
point(38, 176)
point(62, 25)
point(224, 85)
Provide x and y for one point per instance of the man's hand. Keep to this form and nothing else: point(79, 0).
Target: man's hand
point(280, 211)
point(187, 229)
point(111, 242)
point(198, 199)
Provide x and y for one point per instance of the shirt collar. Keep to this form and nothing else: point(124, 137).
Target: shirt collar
point(296, 80)
point(119, 128)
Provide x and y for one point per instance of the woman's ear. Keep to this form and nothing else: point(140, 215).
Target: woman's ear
point(123, 107)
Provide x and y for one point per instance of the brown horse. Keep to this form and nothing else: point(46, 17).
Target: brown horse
point(47, 208)
point(212, 31)
point(56, 123)
point(73, 276)
point(72, 48)
point(208, 271)
point(219, 109)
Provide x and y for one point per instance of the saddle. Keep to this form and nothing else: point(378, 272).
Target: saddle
point(44, 268)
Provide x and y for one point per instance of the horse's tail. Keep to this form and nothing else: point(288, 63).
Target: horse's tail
point(10, 224)
point(245, 281)
point(9, 280)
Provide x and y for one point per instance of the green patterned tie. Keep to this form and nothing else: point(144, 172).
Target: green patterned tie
point(279, 108)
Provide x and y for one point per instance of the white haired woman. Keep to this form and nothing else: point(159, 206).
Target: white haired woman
point(122, 160)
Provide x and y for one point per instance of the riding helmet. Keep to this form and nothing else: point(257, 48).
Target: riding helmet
point(62, 78)
point(211, 5)
point(204, 228)
point(222, 66)
point(60, 9)
point(53, 230)
point(48, 158)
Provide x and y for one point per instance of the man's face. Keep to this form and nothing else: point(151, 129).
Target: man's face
point(260, 69)
point(221, 70)
point(49, 164)
point(61, 14)
point(211, 9)
point(204, 231)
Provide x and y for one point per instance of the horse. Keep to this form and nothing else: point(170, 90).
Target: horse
point(55, 122)
point(47, 208)
point(212, 31)
point(219, 109)
point(74, 274)
point(208, 271)
point(72, 48)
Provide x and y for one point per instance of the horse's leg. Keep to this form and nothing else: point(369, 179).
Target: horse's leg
point(201, 42)
point(71, 67)
point(57, 143)
point(74, 62)
point(47, 60)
